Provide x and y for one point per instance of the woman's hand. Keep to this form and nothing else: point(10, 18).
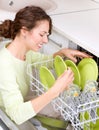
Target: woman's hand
point(63, 82)
point(72, 54)
point(59, 86)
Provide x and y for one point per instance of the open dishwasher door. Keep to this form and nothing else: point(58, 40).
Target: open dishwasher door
point(6, 123)
point(3, 126)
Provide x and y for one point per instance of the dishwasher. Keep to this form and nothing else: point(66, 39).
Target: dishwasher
point(70, 113)
point(85, 103)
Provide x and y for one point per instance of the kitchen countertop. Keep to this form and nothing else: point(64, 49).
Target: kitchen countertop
point(81, 28)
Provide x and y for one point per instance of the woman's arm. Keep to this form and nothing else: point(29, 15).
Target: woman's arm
point(60, 85)
point(71, 54)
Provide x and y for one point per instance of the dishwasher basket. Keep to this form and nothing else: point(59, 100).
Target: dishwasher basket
point(76, 108)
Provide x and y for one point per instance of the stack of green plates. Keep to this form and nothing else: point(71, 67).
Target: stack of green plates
point(88, 70)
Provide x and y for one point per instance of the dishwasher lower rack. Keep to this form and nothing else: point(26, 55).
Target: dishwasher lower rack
point(73, 109)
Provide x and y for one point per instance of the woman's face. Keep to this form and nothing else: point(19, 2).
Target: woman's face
point(37, 36)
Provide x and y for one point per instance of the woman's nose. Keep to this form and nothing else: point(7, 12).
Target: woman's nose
point(45, 39)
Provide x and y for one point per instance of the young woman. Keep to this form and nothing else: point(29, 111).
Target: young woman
point(29, 32)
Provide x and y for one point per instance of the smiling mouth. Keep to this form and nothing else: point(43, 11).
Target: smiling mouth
point(40, 45)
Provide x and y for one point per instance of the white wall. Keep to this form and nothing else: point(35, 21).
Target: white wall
point(6, 15)
point(3, 16)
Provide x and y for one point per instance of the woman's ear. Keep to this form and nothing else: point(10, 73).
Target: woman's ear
point(23, 31)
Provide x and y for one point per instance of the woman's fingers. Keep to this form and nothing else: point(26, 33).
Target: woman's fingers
point(66, 78)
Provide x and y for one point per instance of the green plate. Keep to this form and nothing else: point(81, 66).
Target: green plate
point(84, 117)
point(53, 122)
point(59, 65)
point(46, 77)
point(92, 125)
point(88, 70)
point(75, 70)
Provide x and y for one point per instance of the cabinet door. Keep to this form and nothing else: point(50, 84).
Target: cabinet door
point(56, 42)
point(51, 47)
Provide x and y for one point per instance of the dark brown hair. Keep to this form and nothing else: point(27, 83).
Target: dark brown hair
point(27, 17)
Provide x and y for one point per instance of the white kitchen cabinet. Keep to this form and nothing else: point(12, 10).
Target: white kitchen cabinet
point(73, 6)
point(81, 27)
point(56, 42)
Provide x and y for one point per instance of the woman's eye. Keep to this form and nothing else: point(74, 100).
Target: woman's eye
point(41, 35)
